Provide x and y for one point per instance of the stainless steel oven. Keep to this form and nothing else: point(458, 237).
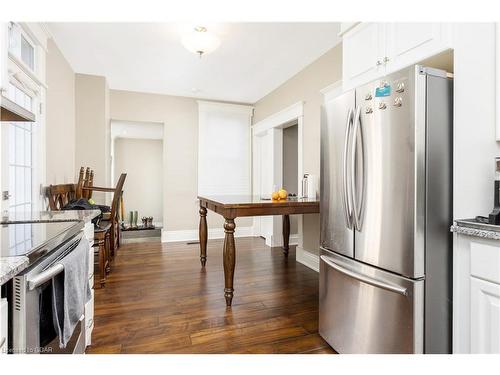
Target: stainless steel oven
point(32, 325)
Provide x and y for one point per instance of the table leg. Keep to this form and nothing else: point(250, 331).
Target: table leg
point(203, 236)
point(229, 260)
point(286, 234)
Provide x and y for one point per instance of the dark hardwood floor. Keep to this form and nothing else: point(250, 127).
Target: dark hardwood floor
point(158, 299)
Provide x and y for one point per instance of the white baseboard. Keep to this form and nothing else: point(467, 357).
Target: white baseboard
point(192, 234)
point(274, 241)
point(307, 259)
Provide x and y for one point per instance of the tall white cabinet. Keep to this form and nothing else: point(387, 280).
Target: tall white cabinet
point(476, 291)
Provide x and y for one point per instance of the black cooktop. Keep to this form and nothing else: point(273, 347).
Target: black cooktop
point(28, 238)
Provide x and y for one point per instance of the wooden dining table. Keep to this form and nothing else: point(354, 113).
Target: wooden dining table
point(232, 206)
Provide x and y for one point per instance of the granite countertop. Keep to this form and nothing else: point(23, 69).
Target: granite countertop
point(472, 227)
point(11, 266)
point(50, 216)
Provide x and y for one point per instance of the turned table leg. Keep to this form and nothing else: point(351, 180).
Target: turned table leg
point(286, 234)
point(203, 236)
point(229, 260)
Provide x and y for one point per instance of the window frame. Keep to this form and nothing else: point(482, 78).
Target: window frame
point(16, 52)
point(32, 83)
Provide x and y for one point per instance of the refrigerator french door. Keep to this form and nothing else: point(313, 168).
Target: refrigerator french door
point(386, 206)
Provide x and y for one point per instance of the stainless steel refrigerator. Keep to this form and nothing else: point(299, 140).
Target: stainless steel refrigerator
point(386, 209)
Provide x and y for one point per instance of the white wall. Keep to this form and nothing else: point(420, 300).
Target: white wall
point(474, 119)
point(305, 86)
point(142, 160)
point(60, 118)
point(92, 133)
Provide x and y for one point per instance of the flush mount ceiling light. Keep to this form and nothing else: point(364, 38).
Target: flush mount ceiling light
point(200, 41)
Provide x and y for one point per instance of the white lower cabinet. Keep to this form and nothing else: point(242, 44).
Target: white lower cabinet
point(484, 316)
point(4, 308)
point(89, 320)
point(476, 295)
point(89, 306)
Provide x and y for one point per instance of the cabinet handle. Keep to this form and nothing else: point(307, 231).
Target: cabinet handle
point(379, 62)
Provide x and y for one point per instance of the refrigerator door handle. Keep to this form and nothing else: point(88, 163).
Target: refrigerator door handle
point(346, 200)
point(365, 279)
point(357, 153)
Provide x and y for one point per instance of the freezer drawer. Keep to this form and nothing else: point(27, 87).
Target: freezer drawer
point(363, 309)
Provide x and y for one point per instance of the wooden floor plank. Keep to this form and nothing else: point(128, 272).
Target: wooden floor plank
point(158, 299)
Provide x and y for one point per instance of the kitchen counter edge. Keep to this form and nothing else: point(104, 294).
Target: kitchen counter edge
point(11, 266)
point(471, 227)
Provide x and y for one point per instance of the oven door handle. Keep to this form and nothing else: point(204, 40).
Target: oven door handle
point(46, 275)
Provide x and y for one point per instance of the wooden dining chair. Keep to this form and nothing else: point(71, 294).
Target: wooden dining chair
point(113, 217)
point(79, 184)
point(60, 195)
point(89, 183)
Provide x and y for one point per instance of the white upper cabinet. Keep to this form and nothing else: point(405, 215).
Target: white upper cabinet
point(363, 51)
point(372, 50)
point(408, 43)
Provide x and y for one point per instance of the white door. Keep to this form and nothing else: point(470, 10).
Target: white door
point(363, 53)
point(268, 176)
point(263, 179)
point(485, 316)
point(409, 42)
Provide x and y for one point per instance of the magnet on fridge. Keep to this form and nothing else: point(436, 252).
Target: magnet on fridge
point(383, 91)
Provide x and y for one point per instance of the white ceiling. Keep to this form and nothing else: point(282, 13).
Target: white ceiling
point(252, 60)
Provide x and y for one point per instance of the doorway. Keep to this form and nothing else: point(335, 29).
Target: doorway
point(137, 150)
point(290, 169)
point(277, 162)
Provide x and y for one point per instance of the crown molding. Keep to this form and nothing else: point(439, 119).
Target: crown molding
point(207, 106)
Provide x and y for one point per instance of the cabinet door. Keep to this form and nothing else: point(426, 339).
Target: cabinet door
point(409, 43)
point(89, 320)
point(485, 316)
point(363, 52)
point(3, 325)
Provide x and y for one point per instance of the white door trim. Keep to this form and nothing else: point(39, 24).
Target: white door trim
point(276, 122)
point(279, 119)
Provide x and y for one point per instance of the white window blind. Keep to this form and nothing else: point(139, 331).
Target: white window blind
point(224, 153)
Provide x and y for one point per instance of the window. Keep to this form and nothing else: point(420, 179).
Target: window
point(21, 46)
point(20, 164)
point(27, 53)
point(224, 158)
